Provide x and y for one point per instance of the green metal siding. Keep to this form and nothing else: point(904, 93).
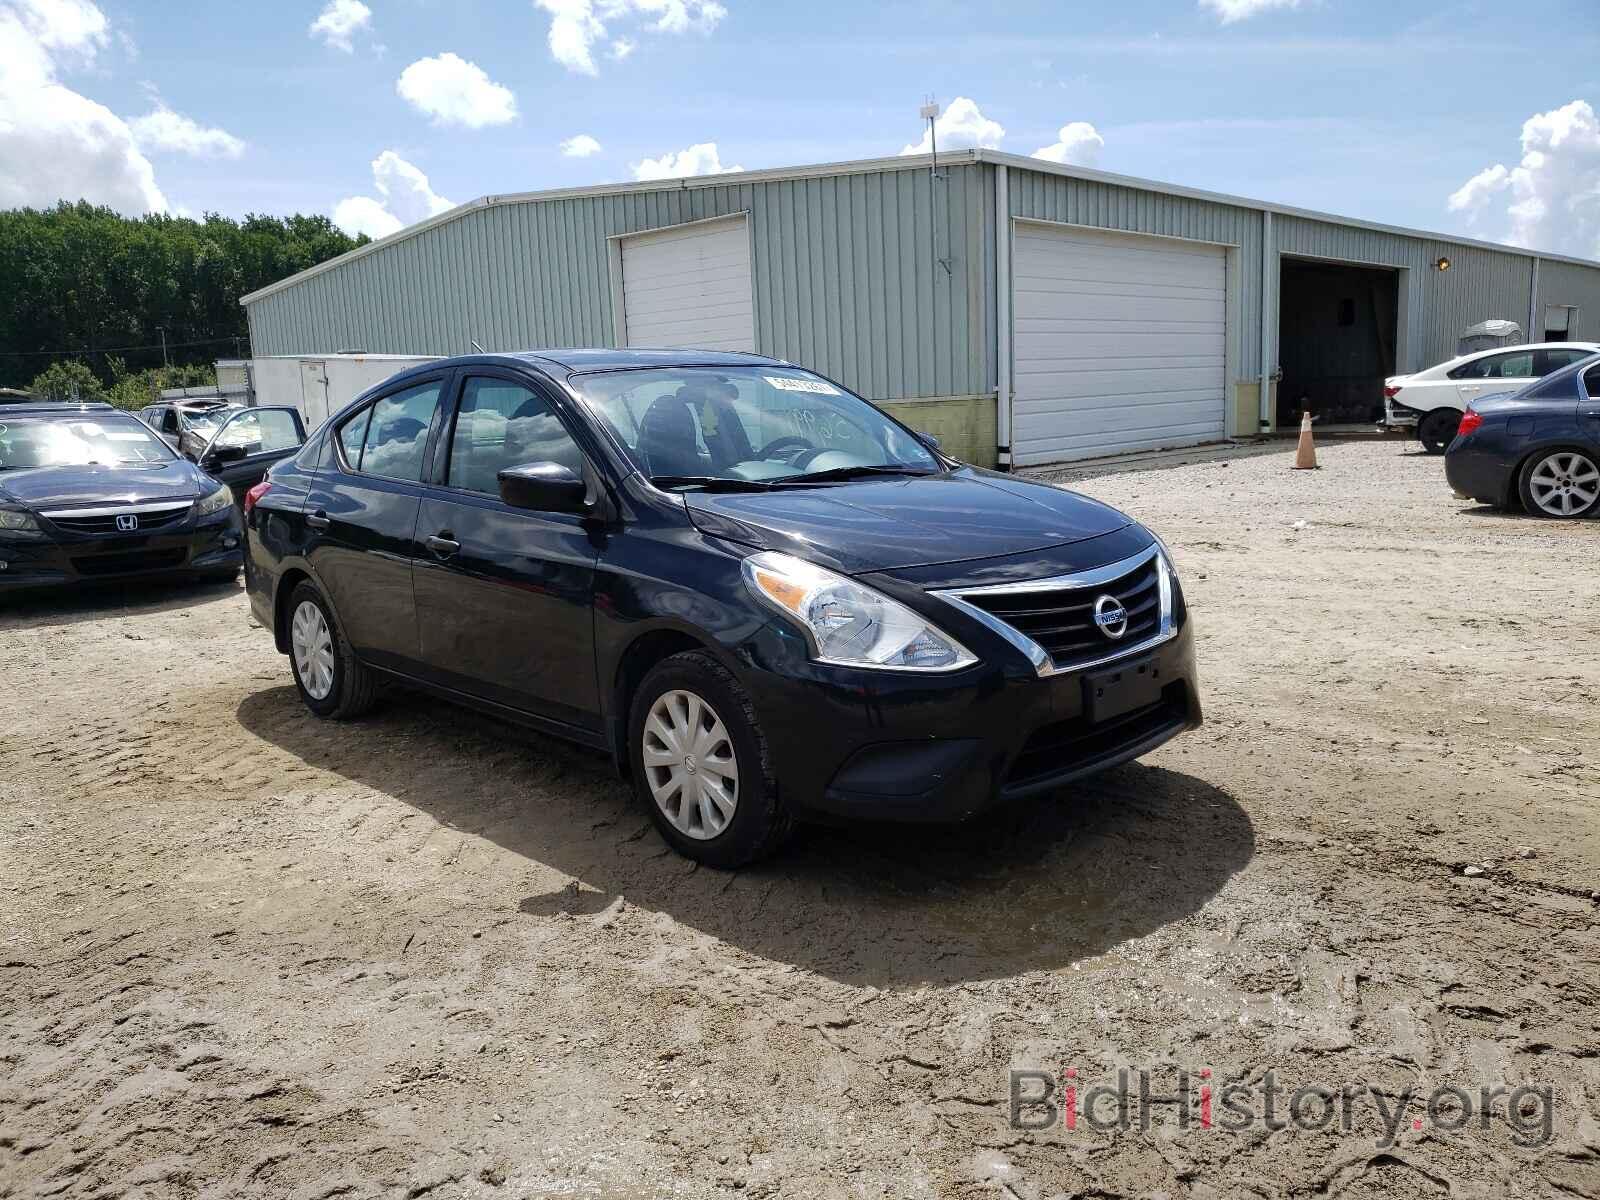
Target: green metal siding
point(1564, 283)
point(841, 275)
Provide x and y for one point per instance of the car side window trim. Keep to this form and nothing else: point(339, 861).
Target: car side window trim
point(447, 386)
point(438, 472)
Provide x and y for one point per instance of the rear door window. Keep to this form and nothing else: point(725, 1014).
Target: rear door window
point(1546, 361)
point(397, 433)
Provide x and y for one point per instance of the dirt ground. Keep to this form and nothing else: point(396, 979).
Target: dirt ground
point(247, 953)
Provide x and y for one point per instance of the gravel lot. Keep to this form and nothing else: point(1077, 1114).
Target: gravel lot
point(247, 953)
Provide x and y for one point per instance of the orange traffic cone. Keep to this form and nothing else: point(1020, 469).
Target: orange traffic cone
point(1305, 455)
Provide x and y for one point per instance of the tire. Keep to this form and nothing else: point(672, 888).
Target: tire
point(1562, 483)
point(347, 689)
point(1438, 429)
point(729, 735)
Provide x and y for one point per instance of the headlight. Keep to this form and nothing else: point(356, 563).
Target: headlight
point(215, 502)
point(17, 522)
point(850, 624)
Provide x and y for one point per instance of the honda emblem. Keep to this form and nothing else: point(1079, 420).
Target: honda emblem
point(127, 523)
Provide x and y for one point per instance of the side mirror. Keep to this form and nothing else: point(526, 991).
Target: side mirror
point(222, 455)
point(933, 442)
point(544, 487)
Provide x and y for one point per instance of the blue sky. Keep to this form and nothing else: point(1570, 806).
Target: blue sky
point(1381, 110)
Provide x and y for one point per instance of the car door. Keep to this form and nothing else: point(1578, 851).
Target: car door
point(248, 443)
point(1494, 375)
point(504, 595)
point(361, 518)
point(1589, 409)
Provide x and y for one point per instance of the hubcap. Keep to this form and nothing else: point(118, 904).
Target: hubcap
point(690, 765)
point(313, 650)
point(1565, 484)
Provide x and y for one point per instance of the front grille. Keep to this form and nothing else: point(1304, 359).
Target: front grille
point(106, 522)
point(123, 564)
point(1078, 744)
point(1061, 620)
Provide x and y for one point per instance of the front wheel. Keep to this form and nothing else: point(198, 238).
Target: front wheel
point(1438, 429)
point(1562, 484)
point(700, 763)
point(331, 682)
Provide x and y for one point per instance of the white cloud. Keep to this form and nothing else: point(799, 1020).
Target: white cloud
point(404, 198)
point(581, 146)
point(1077, 143)
point(699, 159)
point(56, 144)
point(339, 22)
point(163, 129)
point(960, 127)
point(454, 91)
point(578, 26)
point(1229, 11)
point(1553, 193)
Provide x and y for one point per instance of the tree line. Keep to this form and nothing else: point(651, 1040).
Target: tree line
point(87, 295)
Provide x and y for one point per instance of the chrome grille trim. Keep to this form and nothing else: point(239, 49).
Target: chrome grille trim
point(112, 510)
point(1043, 664)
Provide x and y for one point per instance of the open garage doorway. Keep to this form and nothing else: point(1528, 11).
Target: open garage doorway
point(1337, 326)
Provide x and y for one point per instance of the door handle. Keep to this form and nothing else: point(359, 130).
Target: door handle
point(317, 520)
point(442, 546)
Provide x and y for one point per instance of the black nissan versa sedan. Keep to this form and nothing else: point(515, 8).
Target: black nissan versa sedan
point(90, 493)
point(767, 599)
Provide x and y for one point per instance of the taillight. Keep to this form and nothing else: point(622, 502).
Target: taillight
point(1390, 391)
point(1469, 421)
point(255, 493)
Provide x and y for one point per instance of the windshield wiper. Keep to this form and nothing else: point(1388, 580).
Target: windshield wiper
point(710, 483)
point(852, 472)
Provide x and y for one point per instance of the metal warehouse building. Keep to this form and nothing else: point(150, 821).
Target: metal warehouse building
point(1022, 311)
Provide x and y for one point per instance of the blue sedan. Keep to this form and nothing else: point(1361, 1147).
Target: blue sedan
point(1539, 447)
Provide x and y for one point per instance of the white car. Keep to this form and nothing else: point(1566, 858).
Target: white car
point(1432, 401)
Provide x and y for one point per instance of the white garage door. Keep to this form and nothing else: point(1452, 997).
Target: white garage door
point(689, 286)
point(1119, 343)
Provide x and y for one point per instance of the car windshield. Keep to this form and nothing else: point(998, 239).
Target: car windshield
point(702, 426)
point(205, 422)
point(110, 440)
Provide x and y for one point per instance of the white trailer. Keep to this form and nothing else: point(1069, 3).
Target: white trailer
point(320, 385)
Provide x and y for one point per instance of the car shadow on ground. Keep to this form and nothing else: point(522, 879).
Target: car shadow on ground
point(48, 607)
point(1034, 886)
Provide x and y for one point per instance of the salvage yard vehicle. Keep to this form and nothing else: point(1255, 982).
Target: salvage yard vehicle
point(173, 420)
point(243, 446)
point(1431, 402)
point(89, 493)
point(765, 597)
point(1539, 447)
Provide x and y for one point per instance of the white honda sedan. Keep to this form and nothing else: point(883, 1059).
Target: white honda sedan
point(1432, 401)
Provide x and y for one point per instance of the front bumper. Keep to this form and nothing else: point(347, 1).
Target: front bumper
point(931, 749)
point(55, 558)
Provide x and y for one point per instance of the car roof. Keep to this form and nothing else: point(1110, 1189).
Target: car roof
point(572, 360)
point(58, 409)
point(1586, 347)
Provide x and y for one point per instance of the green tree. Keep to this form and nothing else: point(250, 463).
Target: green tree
point(82, 283)
point(67, 381)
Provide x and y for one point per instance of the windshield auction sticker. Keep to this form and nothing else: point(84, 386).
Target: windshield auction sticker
point(801, 385)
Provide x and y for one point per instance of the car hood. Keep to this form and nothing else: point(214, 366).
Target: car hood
point(884, 524)
point(59, 487)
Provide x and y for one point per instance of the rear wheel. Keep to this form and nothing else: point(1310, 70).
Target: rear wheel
point(700, 763)
point(331, 682)
point(1561, 483)
point(1438, 429)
